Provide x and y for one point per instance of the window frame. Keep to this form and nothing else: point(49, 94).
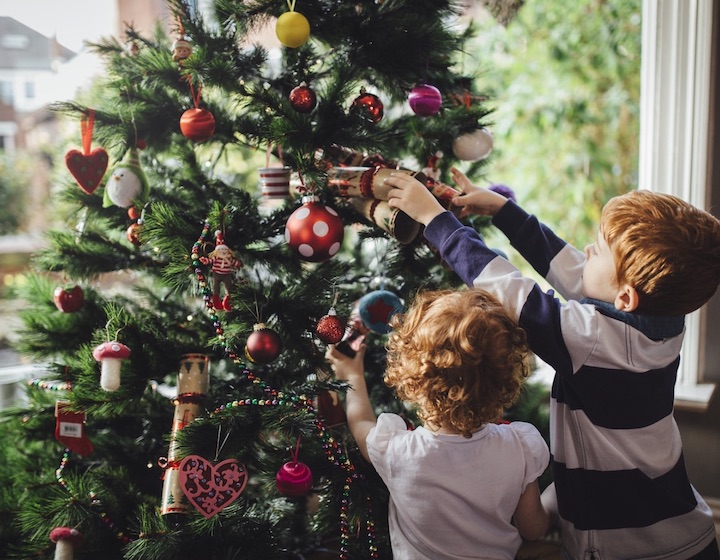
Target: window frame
point(676, 97)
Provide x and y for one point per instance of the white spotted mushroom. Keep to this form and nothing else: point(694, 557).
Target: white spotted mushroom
point(110, 355)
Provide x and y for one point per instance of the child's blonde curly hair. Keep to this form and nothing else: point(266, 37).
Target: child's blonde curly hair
point(458, 355)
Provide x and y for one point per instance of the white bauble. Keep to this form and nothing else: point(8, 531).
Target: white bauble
point(473, 146)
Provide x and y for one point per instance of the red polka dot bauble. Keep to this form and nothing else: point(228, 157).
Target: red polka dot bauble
point(330, 328)
point(425, 100)
point(369, 107)
point(314, 231)
point(197, 124)
point(263, 345)
point(302, 98)
point(294, 479)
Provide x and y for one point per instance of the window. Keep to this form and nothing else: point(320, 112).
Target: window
point(677, 94)
point(30, 90)
point(6, 93)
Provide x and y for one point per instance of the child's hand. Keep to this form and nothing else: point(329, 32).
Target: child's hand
point(413, 198)
point(345, 367)
point(475, 200)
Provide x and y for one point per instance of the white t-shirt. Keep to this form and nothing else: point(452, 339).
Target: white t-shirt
point(453, 497)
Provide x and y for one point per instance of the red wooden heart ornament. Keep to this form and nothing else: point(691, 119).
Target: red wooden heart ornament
point(88, 169)
point(211, 488)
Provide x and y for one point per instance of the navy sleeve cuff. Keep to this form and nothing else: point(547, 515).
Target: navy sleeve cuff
point(510, 219)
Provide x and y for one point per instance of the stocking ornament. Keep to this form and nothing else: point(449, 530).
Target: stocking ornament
point(89, 166)
point(70, 429)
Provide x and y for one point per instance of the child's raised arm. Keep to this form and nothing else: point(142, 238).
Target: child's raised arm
point(358, 409)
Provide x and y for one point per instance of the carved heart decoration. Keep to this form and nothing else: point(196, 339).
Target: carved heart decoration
point(211, 488)
point(88, 169)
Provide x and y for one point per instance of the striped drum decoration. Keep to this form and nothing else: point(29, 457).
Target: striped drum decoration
point(275, 182)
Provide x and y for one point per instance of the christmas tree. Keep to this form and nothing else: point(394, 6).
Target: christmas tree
point(225, 221)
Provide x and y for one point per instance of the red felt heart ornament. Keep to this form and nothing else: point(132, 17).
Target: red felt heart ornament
point(88, 169)
point(211, 488)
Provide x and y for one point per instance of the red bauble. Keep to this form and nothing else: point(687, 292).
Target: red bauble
point(294, 479)
point(314, 231)
point(263, 345)
point(330, 328)
point(68, 300)
point(369, 107)
point(134, 213)
point(302, 98)
point(197, 124)
point(425, 100)
point(133, 234)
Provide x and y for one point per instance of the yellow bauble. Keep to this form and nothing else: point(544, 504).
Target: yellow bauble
point(293, 29)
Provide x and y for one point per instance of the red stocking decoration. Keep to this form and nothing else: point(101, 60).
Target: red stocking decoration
point(70, 429)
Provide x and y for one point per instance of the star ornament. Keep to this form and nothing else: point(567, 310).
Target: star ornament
point(377, 308)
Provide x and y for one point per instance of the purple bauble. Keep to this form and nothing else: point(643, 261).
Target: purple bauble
point(504, 190)
point(425, 100)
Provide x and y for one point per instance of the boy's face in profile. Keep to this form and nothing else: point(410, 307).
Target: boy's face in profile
point(598, 280)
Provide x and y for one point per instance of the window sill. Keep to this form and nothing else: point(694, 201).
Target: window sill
point(689, 397)
point(695, 397)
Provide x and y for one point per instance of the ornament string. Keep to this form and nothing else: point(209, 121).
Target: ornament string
point(297, 451)
point(218, 445)
point(195, 94)
point(87, 122)
point(291, 5)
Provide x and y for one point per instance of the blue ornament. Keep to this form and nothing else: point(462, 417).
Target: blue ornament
point(377, 308)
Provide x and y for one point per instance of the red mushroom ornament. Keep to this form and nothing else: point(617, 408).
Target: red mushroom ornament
point(66, 540)
point(110, 355)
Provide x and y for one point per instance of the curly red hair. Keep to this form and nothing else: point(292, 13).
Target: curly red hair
point(460, 356)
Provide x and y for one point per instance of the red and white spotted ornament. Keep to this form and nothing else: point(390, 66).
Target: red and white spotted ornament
point(314, 231)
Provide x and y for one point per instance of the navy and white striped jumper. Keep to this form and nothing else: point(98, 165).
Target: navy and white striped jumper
point(617, 461)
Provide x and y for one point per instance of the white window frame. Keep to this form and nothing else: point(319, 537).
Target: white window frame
point(675, 115)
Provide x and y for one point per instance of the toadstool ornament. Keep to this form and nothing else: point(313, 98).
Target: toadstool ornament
point(110, 355)
point(66, 539)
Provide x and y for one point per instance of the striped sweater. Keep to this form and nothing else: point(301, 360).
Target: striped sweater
point(617, 461)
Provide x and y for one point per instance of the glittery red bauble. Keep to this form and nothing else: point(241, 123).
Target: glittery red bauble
point(368, 106)
point(302, 98)
point(197, 124)
point(425, 100)
point(314, 231)
point(263, 345)
point(294, 479)
point(330, 328)
point(68, 300)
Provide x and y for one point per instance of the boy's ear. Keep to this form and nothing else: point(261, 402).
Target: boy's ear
point(627, 299)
